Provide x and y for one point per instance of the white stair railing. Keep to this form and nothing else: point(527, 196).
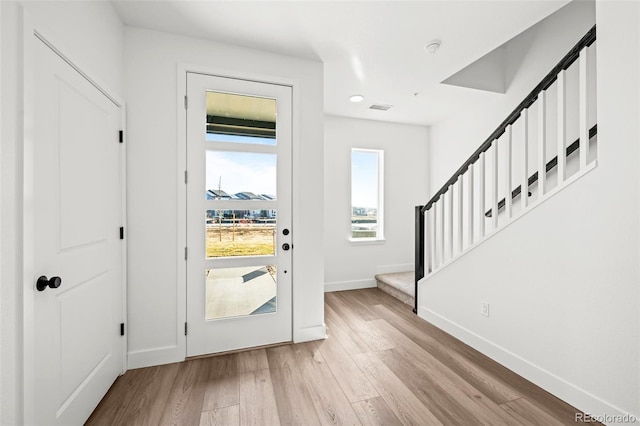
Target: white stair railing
point(455, 220)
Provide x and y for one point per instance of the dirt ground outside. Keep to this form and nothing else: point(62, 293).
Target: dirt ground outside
point(242, 239)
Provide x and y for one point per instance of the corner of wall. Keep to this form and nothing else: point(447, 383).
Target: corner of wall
point(353, 265)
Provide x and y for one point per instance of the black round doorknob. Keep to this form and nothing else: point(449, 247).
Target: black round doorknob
point(285, 232)
point(286, 246)
point(44, 282)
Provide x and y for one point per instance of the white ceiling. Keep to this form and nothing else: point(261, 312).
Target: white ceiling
point(374, 48)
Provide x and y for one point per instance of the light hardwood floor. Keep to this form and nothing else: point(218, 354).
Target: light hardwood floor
point(381, 365)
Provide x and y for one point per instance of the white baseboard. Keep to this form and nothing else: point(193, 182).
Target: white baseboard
point(349, 285)
point(552, 383)
point(308, 334)
point(152, 357)
point(391, 269)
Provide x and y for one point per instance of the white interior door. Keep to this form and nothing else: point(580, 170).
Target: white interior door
point(78, 350)
point(238, 214)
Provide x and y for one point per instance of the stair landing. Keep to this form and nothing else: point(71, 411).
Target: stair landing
point(400, 285)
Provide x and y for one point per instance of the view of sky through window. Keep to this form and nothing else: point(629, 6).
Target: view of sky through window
point(364, 179)
point(241, 172)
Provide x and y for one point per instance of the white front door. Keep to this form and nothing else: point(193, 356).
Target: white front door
point(238, 214)
point(74, 329)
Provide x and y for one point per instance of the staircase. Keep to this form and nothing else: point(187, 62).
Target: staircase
point(400, 285)
point(548, 142)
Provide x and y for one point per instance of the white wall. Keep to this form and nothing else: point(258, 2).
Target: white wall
point(155, 297)
point(563, 281)
point(90, 33)
point(350, 265)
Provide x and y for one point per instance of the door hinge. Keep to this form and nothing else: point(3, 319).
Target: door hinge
point(122, 233)
point(121, 136)
point(186, 177)
point(185, 253)
point(122, 329)
point(186, 102)
point(185, 328)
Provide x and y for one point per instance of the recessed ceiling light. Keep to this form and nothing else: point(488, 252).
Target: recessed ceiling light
point(432, 46)
point(356, 98)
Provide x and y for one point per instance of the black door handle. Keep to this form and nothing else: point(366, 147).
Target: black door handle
point(44, 282)
point(286, 246)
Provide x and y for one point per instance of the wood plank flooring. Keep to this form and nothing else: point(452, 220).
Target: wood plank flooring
point(381, 365)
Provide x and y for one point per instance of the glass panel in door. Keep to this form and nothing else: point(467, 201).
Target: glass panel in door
point(249, 180)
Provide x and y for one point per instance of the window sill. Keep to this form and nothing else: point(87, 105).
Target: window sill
point(366, 241)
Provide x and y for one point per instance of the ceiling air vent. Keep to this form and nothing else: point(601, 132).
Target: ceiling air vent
point(381, 107)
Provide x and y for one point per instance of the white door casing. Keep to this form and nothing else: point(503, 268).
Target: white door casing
point(224, 334)
point(74, 348)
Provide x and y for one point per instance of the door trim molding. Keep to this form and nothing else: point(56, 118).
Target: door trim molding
point(181, 163)
point(33, 30)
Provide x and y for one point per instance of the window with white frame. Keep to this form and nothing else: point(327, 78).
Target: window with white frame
point(367, 194)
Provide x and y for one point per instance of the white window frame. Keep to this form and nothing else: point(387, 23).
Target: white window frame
point(380, 205)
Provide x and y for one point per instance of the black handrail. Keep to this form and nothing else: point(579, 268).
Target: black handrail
point(547, 81)
point(549, 166)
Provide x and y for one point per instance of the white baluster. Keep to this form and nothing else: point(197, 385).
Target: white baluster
point(460, 211)
point(432, 233)
point(507, 198)
point(434, 237)
point(427, 244)
point(450, 221)
point(442, 219)
point(494, 185)
point(471, 216)
point(542, 141)
point(584, 102)
point(481, 194)
point(524, 184)
point(562, 126)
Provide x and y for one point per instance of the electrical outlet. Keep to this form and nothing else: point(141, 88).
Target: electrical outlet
point(484, 309)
